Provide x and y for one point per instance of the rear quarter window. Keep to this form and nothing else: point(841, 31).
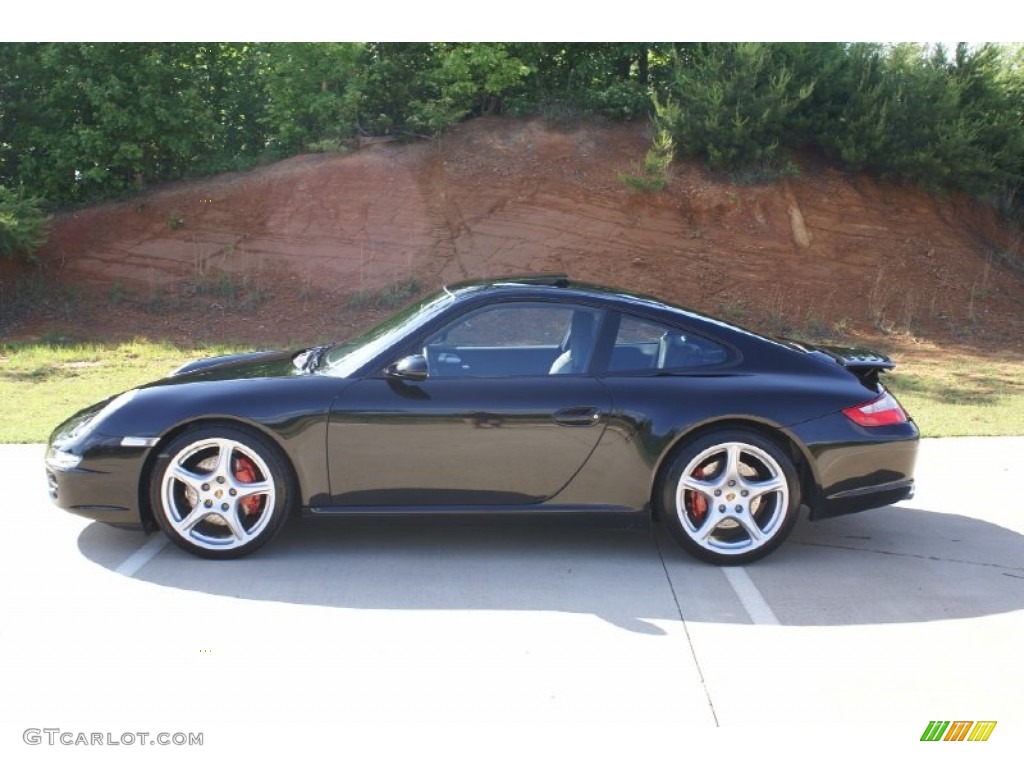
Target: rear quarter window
point(643, 345)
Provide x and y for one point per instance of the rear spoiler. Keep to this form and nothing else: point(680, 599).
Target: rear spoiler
point(864, 364)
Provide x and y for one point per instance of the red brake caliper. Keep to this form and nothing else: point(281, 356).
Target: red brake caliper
point(245, 472)
point(697, 502)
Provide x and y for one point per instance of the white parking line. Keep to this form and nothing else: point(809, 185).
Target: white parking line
point(142, 555)
point(750, 596)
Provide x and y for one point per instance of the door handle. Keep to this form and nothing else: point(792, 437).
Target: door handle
point(578, 416)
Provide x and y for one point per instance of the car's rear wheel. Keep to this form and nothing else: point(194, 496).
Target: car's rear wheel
point(221, 491)
point(730, 497)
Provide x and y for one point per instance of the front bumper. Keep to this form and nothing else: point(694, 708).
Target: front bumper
point(104, 485)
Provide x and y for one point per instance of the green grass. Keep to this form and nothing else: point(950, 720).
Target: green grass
point(957, 396)
point(44, 382)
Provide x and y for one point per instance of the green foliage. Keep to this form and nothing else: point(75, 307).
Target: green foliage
point(392, 76)
point(733, 104)
point(768, 173)
point(906, 111)
point(652, 176)
point(614, 80)
point(468, 78)
point(856, 128)
point(22, 223)
point(86, 121)
point(313, 92)
point(915, 114)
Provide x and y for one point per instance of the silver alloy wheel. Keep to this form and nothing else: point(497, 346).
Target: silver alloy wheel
point(732, 498)
point(218, 494)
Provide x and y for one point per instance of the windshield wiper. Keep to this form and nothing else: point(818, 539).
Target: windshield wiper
point(314, 357)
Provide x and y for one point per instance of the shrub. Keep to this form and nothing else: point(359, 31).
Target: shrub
point(733, 103)
point(22, 223)
point(652, 176)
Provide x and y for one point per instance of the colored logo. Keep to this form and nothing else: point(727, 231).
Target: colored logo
point(958, 730)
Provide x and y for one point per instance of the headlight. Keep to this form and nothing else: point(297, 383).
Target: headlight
point(76, 426)
point(57, 459)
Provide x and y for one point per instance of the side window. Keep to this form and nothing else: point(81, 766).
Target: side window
point(645, 345)
point(509, 325)
point(514, 339)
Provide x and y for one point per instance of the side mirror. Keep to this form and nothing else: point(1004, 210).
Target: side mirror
point(411, 368)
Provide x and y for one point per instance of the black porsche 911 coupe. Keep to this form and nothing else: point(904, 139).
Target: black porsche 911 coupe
point(515, 395)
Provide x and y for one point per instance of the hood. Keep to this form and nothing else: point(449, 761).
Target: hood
point(247, 365)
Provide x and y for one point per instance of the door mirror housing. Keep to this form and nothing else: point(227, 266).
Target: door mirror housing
point(411, 368)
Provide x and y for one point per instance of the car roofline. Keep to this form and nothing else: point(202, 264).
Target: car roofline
point(560, 282)
point(560, 286)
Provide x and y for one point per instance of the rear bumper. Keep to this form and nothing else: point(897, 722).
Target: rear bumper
point(856, 468)
point(861, 499)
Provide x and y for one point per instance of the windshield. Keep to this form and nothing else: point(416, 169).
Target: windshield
point(350, 356)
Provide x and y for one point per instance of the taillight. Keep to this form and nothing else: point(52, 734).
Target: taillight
point(877, 413)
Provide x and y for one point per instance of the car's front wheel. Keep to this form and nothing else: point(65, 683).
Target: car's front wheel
point(221, 491)
point(730, 497)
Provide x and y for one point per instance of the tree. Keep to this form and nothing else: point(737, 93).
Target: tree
point(466, 79)
point(90, 119)
point(734, 103)
point(314, 92)
point(914, 113)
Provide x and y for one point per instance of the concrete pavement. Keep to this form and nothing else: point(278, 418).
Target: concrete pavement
point(397, 639)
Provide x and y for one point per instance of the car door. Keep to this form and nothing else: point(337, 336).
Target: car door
point(504, 418)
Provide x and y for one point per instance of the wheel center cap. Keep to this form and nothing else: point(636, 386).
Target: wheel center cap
point(219, 493)
point(730, 496)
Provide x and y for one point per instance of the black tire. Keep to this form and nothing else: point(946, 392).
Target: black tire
point(221, 491)
point(730, 497)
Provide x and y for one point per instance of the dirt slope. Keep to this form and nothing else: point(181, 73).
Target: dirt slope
point(274, 255)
